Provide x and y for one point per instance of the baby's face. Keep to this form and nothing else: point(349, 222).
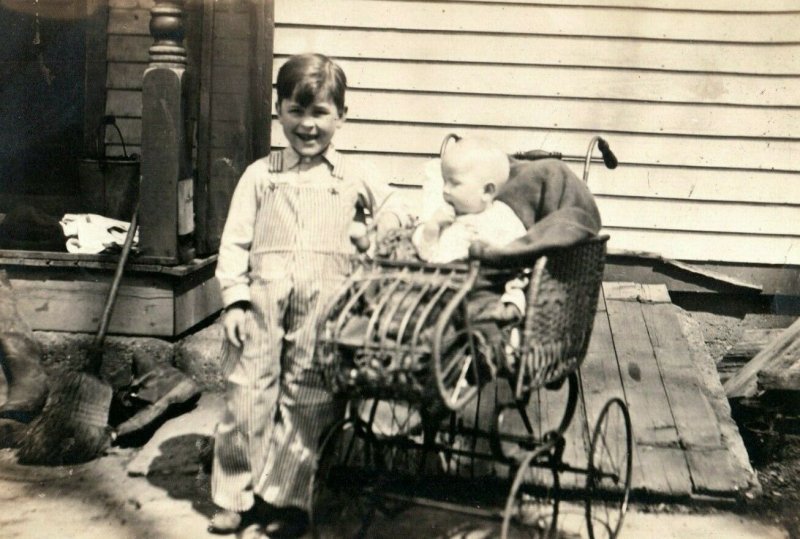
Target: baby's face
point(464, 188)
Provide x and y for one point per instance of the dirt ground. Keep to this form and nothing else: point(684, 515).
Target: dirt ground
point(161, 491)
point(774, 454)
point(171, 497)
point(779, 502)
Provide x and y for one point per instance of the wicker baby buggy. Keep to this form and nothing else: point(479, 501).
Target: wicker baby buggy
point(399, 344)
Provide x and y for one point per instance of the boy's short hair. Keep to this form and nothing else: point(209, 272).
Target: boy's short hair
point(304, 77)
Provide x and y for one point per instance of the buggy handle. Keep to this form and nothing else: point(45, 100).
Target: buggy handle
point(609, 159)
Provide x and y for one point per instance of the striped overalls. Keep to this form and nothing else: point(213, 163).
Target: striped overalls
point(277, 407)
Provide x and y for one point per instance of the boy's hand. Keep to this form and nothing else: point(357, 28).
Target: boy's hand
point(234, 323)
point(359, 236)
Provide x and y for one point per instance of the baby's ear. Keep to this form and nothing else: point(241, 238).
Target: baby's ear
point(490, 188)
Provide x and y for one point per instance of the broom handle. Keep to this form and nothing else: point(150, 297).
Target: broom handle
point(112, 293)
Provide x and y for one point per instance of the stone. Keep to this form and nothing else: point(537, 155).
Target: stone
point(198, 355)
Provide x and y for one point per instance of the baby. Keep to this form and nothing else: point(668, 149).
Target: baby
point(473, 170)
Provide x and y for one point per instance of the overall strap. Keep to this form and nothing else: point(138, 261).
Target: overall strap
point(339, 166)
point(276, 161)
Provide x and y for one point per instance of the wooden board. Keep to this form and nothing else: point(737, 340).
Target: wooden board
point(697, 119)
point(653, 423)
point(123, 103)
point(542, 20)
point(657, 468)
point(715, 472)
point(695, 420)
point(751, 342)
point(680, 215)
point(696, 246)
point(129, 21)
point(231, 52)
point(636, 292)
point(782, 373)
point(532, 49)
point(738, 6)
point(566, 82)
point(127, 48)
point(600, 375)
point(550, 405)
point(634, 181)
point(576, 451)
point(125, 75)
point(55, 305)
point(631, 149)
point(196, 305)
point(55, 297)
point(600, 381)
point(142, 4)
point(232, 24)
point(665, 469)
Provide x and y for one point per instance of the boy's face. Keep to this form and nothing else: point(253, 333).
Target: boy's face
point(309, 129)
point(464, 188)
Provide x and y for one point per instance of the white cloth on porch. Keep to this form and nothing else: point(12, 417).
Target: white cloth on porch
point(89, 233)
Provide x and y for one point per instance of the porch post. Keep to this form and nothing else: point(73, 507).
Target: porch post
point(166, 214)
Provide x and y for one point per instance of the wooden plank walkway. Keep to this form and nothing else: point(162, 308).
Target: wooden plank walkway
point(639, 352)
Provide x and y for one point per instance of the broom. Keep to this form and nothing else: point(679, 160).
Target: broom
point(73, 426)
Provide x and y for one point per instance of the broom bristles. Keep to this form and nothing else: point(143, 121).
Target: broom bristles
point(73, 426)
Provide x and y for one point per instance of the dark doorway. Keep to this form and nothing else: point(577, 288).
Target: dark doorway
point(41, 99)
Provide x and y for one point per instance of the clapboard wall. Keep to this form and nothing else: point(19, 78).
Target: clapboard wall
point(128, 45)
point(228, 128)
point(699, 100)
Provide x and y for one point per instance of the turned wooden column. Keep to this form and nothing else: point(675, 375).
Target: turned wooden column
point(166, 214)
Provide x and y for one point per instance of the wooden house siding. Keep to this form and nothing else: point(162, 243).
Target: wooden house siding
point(223, 62)
point(129, 41)
point(700, 102)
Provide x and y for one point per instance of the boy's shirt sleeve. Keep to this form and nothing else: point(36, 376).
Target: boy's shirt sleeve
point(233, 264)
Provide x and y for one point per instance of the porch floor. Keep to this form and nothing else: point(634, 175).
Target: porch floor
point(686, 446)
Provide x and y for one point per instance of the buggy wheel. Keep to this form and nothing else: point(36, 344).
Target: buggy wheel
point(457, 370)
point(342, 503)
point(398, 431)
point(532, 505)
point(608, 480)
point(540, 413)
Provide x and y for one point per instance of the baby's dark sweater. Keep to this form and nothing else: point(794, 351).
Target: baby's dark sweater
point(555, 206)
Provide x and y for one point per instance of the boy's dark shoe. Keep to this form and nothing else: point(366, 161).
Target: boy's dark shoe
point(287, 522)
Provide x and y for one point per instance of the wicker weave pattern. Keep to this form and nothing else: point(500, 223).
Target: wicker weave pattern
point(375, 339)
point(562, 302)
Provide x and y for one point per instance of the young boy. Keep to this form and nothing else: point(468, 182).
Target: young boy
point(473, 170)
point(284, 252)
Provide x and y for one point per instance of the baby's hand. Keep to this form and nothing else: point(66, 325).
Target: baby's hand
point(233, 321)
point(385, 222)
point(444, 215)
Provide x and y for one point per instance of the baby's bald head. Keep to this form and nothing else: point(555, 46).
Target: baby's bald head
point(473, 170)
point(479, 156)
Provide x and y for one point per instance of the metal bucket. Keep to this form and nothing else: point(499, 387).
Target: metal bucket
point(109, 185)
